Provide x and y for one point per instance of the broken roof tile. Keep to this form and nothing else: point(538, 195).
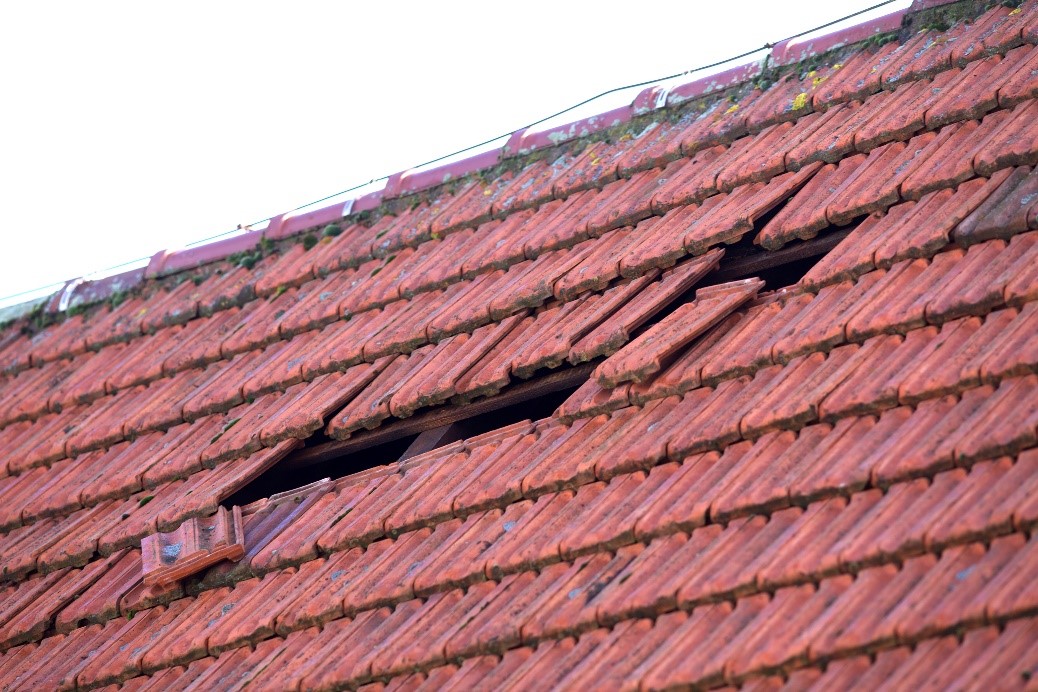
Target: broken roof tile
point(611, 335)
point(196, 544)
point(861, 435)
point(652, 350)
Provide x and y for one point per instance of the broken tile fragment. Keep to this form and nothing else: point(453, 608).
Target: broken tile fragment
point(193, 546)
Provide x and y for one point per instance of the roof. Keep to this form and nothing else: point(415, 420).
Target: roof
point(795, 309)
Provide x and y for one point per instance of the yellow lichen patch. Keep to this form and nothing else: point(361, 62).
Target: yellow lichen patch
point(732, 108)
point(800, 101)
point(816, 81)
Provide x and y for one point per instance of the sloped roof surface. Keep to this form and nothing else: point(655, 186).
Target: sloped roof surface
point(828, 484)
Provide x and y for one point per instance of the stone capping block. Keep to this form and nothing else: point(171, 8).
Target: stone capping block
point(169, 262)
point(193, 546)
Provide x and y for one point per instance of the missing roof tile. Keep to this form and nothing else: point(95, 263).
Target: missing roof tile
point(325, 458)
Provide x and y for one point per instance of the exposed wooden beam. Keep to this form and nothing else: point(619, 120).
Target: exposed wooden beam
point(753, 263)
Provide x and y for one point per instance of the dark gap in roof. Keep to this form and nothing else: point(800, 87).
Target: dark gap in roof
point(744, 260)
point(289, 476)
point(320, 448)
point(280, 479)
point(786, 274)
point(533, 409)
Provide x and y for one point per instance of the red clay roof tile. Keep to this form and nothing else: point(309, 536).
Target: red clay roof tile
point(652, 350)
point(1020, 84)
point(909, 341)
point(614, 333)
point(192, 547)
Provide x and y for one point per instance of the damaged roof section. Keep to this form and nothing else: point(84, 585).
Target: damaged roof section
point(745, 456)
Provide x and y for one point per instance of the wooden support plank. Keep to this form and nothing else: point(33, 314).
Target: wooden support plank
point(752, 263)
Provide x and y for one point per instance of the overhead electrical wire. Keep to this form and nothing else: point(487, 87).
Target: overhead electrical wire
point(591, 99)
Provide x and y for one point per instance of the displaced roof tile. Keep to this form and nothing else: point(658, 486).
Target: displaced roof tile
point(804, 215)
point(652, 350)
point(612, 334)
point(195, 545)
point(687, 518)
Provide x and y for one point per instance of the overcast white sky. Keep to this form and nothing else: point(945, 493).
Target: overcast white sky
point(127, 128)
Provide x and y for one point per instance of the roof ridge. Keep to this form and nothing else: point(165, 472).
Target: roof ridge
point(782, 55)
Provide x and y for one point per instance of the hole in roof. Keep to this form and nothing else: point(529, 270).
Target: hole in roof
point(786, 274)
point(289, 476)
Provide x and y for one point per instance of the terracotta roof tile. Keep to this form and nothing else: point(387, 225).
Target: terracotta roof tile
point(615, 332)
point(738, 350)
point(626, 202)
point(795, 394)
point(693, 181)
point(874, 185)
point(192, 547)
point(1011, 144)
point(830, 140)
point(860, 436)
point(995, 31)
point(1005, 213)
point(779, 103)
point(802, 219)
point(654, 146)
point(655, 243)
point(975, 90)
point(1019, 85)
point(532, 186)
point(470, 207)
point(648, 353)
